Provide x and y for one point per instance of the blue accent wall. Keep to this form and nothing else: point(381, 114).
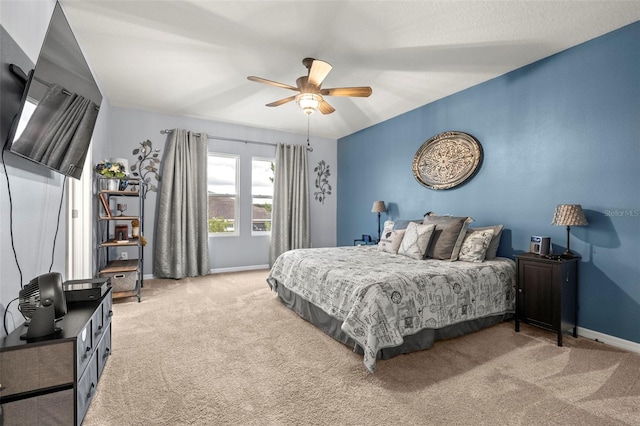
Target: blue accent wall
point(562, 130)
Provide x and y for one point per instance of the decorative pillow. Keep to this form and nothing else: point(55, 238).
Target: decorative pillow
point(492, 251)
point(447, 237)
point(475, 245)
point(388, 224)
point(390, 241)
point(402, 223)
point(416, 240)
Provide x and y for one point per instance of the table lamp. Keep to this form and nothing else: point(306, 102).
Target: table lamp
point(569, 215)
point(378, 207)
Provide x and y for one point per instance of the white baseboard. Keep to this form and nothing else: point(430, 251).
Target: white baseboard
point(222, 270)
point(609, 340)
point(238, 269)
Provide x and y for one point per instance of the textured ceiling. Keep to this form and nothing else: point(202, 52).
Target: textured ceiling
point(192, 58)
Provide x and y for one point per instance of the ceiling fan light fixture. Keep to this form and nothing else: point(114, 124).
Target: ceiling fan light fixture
point(308, 102)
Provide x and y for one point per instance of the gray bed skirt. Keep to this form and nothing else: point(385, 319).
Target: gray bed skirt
point(423, 339)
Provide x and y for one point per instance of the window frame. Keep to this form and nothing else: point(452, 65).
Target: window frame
point(269, 160)
point(236, 206)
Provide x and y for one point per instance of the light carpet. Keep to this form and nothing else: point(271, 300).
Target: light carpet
point(222, 350)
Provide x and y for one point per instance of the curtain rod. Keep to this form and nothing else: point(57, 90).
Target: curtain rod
point(64, 91)
point(220, 138)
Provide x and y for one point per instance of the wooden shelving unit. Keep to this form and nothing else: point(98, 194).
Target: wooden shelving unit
point(126, 275)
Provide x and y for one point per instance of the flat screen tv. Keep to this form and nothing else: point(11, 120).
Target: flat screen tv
point(59, 106)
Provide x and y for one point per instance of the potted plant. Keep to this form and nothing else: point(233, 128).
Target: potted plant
point(113, 171)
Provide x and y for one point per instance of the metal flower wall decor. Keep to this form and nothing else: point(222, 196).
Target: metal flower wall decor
point(146, 166)
point(322, 181)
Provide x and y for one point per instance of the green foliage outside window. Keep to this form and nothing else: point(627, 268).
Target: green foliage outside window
point(218, 225)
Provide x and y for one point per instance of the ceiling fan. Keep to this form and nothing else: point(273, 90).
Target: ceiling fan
point(311, 94)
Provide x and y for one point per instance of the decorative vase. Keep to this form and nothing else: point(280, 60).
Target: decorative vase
point(110, 184)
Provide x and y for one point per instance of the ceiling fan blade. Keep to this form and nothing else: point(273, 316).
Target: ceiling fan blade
point(325, 108)
point(318, 71)
point(271, 83)
point(361, 92)
point(281, 101)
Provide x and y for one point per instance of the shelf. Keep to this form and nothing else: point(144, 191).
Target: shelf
point(113, 230)
point(128, 265)
point(119, 218)
point(120, 193)
point(131, 242)
point(123, 294)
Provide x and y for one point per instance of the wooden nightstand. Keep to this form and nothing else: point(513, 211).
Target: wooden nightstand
point(546, 293)
point(361, 242)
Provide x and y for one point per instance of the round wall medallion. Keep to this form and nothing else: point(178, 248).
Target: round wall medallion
point(447, 160)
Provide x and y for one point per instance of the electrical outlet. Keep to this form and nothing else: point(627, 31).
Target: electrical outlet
point(124, 255)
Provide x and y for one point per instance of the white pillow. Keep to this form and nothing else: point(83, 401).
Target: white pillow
point(475, 244)
point(492, 251)
point(390, 240)
point(416, 240)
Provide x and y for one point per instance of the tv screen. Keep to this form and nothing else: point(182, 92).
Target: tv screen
point(60, 104)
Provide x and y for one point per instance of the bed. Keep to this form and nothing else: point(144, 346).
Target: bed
point(384, 304)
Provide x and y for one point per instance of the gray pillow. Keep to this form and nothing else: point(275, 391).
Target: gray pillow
point(492, 251)
point(447, 237)
point(402, 223)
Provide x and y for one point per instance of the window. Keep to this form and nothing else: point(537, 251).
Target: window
point(262, 174)
point(222, 187)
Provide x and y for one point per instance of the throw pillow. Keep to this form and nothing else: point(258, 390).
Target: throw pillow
point(402, 223)
point(416, 240)
point(447, 237)
point(492, 251)
point(390, 240)
point(475, 245)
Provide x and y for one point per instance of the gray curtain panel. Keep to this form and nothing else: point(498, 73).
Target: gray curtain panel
point(181, 246)
point(59, 130)
point(290, 227)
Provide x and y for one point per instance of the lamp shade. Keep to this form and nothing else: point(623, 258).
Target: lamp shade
point(308, 102)
point(569, 215)
point(378, 207)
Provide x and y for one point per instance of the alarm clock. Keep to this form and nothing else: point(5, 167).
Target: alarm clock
point(540, 245)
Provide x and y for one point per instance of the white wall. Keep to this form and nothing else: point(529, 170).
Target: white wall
point(128, 128)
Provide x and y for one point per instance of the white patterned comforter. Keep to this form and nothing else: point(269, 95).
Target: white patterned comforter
point(381, 297)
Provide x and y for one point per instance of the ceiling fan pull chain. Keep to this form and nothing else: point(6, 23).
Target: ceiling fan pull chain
point(308, 119)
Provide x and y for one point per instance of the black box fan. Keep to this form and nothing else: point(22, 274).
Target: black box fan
point(42, 302)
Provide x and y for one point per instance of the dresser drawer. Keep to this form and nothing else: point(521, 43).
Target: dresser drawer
point(104, 349)
point(36, 367)
point(87, 386)
point(50, 409)
point(84, 346)
point(107, 310)
point(97, 325)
